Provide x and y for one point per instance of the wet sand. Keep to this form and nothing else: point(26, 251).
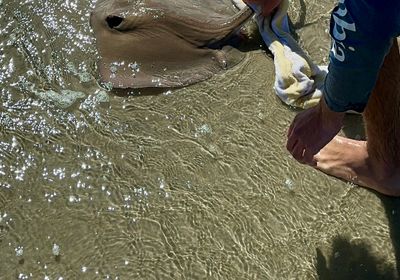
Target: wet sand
point(192, 183)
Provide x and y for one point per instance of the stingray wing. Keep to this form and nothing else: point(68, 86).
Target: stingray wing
point(164, 46)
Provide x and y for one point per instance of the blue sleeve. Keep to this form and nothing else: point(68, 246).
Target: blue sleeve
point(362, 33)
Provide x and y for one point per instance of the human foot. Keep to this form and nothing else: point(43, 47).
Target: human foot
point(348, 159)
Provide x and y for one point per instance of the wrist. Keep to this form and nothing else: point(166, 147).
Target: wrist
point(331, 119)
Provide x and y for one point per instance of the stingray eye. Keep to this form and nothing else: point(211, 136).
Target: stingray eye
point(114, 21)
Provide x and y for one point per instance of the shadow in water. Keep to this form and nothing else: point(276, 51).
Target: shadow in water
point(302, 19)
point(353, 127)
point(352, 261)
point(125, 92)
point(392, 209)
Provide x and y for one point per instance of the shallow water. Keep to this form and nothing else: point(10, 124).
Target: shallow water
point(188, 184)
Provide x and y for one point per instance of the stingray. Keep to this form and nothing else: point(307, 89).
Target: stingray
point(165, 43)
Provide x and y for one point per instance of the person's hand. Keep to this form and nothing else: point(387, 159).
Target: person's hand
point(311, 130)
point(267, 6)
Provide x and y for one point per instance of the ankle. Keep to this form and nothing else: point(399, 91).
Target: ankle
point(381, 169)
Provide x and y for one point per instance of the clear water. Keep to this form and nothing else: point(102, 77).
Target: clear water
point(188, 184)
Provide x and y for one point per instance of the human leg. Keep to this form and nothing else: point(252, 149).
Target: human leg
point(382, 114)
point(374, 163)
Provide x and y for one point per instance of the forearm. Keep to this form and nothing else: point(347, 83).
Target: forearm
point(361, 32)
point(330, 118)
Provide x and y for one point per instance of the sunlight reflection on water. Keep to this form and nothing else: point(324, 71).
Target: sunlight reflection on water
point(192, 183)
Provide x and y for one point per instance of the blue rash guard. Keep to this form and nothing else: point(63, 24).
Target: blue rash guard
point(362, 32)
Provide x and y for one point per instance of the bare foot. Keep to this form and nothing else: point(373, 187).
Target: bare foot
point(349, 160)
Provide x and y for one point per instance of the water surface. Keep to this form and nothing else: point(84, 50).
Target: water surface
point(192, 183)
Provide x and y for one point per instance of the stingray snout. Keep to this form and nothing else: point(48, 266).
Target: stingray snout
point(114, 21)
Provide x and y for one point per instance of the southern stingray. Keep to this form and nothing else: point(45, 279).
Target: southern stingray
point(165, 43)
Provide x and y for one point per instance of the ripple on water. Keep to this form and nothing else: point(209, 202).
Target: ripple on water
point(192, 183)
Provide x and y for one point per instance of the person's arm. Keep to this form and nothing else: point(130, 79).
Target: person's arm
point(267, 5)
point(361, 34)
point(361, 31)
